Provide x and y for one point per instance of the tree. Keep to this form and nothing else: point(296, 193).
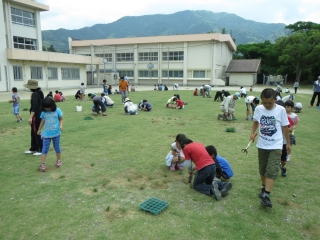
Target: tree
point(51, 48)
point(299, 52)
point(303, 26)
point(48, 49)
point(264, 51)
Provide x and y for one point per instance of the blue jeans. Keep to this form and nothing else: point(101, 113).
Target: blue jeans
point(204, 178)
point(46, 144)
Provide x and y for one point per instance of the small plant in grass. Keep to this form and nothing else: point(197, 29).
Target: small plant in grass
point(285, 202)
point(150, 178)
point(156, 183)
point(129, 179)
point(95, 189)
point(142, 187)
point(180, 172)
point(105, 182)
point(92, 164)
point(308, 225)
point(108, 208)
point(165, 175)
point(62, 176)
point(123, 210)
point(230, 129)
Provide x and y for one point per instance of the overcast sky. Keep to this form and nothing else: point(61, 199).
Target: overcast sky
point(75, 14)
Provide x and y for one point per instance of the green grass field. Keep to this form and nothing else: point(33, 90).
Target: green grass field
point(112, 164)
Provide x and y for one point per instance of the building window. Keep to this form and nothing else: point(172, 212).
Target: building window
point(24, 43)
point(17, 73)
point(199, 74)
point(124, 57)
point(22, 17)
point(87, 55)
point(108, 56)
point(147, 73)
point(36, 73)
point(52, 73)
point(172, 56)
point(70, 73)
point(126, 73)
point(173, 74)
point(148, 56)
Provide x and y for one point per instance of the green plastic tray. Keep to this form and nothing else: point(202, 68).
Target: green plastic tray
point(154, 205)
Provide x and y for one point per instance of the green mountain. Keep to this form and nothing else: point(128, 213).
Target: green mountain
point(184, 22)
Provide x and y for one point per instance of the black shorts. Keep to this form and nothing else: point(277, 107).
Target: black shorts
point(284, 153)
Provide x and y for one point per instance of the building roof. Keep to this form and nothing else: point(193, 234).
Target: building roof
point(31, 3)
point(244, 66)
point(158, 39)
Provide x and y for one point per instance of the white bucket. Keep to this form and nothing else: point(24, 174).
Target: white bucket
point(79, 108)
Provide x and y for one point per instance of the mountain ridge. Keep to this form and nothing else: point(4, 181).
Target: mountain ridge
point(183, 22)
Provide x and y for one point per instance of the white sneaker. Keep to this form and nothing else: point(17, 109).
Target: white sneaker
point(36, 154)
point(29, 152)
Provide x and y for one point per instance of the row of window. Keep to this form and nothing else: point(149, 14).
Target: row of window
point(172, 74)
point(143, 57)
point(22, 17)
point(74, 73)
point(37, 73)
point(24, 43)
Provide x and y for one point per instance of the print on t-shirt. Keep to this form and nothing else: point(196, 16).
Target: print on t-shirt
point(268, 125)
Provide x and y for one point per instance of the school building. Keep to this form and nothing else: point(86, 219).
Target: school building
point(184, 59)
point(21, 55)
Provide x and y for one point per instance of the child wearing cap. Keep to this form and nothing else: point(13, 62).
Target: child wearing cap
point(228, 107)
point(130, 107)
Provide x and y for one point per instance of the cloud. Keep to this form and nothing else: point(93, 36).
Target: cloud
point(72, 14)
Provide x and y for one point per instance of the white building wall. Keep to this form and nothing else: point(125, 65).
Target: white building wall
point(3, 52)
point(241, 79)
point(45, 82)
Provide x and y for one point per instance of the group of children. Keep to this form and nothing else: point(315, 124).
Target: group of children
point(132, 109)
point(175, 102)
point(274, 119)
point(57, 97)
point(159, 87)
point(209, 166)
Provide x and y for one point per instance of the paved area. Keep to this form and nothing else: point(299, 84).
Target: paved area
point(6, 96)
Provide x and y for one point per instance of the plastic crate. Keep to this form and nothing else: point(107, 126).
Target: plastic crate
point(154, 205)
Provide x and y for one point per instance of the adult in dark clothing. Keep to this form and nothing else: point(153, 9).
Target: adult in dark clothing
point(77, 95)
point(218, 96)
point(34, 119)
point(225, 93)
point(316, 92)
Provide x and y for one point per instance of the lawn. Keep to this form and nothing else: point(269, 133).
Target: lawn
point(112, 164)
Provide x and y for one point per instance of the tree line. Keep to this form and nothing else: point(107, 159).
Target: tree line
point(297, 53)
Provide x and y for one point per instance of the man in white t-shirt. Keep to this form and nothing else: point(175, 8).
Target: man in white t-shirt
point(107, 100)
point(253, 102)
point(206, 90)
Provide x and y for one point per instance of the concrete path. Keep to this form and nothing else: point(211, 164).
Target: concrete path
point(6, 96)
